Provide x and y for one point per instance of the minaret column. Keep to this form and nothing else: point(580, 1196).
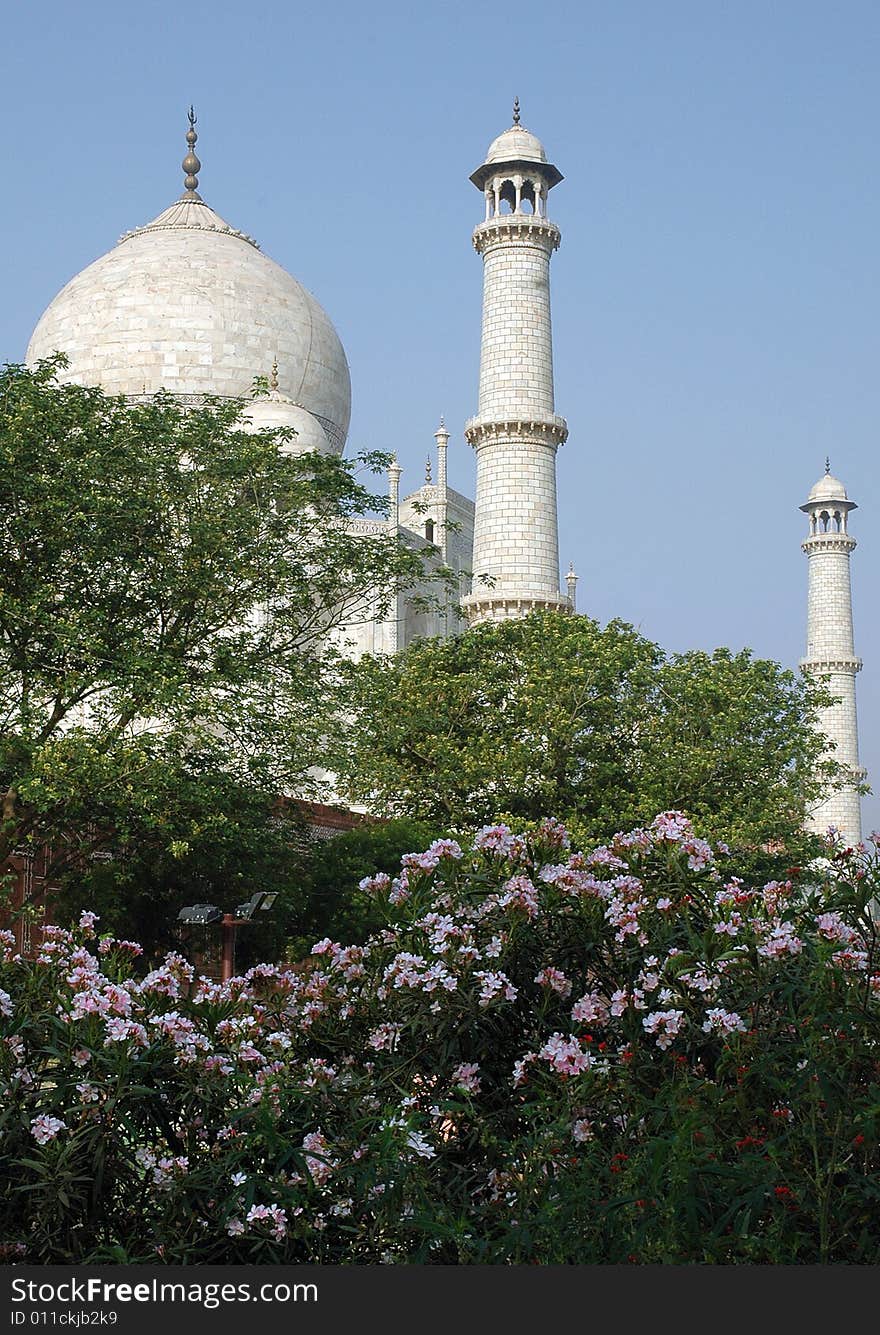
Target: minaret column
point(516, 432)
point(394, 612)
point(830, 655)
point(571, 581)
point(441, 435)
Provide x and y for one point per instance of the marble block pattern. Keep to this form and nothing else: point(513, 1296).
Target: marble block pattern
point(830, 655)
point(516, 432)
point(190, 305)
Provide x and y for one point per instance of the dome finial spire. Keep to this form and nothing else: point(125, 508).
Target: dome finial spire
point(273, 379)
point(516, 111)
point(191, 164)
point(827, 464)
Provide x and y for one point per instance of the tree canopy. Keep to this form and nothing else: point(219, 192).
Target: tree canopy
point(555, 713)
point(170, 588)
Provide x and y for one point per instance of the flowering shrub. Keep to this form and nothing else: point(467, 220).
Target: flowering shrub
point(626, 1055)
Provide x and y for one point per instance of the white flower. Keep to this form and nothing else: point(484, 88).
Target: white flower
point(44, 1128)
point(589, 1008)
point(665, 1024)
point(496, 839)
point(565, 1055)
point(519, 1068)
point(467, 1077)
point(582, 1131)
point(383, 1037)
point(319, 1169)
point(493, 985)
point(833, 928)
point(87, 922)
point(723, 1022)
point(416, 1141)
point(554, 980)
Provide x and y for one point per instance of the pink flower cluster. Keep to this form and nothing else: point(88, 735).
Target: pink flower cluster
point(272, 1217)
point(467, 1077)
point(45, 1128)
point(386, 1053)
point(554, 980)
point(591, 1008)
point(723, 1022)
point(499, 841)
point(565, 1055)
point(494, 985)
point(321, 1167)
point(666, 1025)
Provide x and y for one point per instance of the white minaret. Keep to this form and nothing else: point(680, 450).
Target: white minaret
point(516, 432)
point(830, 650)
point(394, 473)
point(441, 435)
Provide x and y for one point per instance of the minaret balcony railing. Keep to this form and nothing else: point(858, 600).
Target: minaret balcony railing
point(828, 542)
point(550, 430)
point(503, 605)
point(828, 663)
point(512, 226)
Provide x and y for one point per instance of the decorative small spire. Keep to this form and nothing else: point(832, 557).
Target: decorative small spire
point(827, 465)
point(191, 164)
point(428, 469)
point(273, 379)
point(571, 581)
point(516, 111)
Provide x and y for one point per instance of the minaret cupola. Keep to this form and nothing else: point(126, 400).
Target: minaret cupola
point(516, 176)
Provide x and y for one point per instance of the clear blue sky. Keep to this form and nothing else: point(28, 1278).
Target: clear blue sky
point(715, 298)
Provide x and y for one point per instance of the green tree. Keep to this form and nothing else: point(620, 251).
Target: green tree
point(732, 740)
point(210, 840)
point(170, 589)
point(556, 715)
point(322, 897)
point(217, 843)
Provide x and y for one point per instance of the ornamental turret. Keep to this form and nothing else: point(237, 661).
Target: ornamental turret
point(830, 655)
point(516, 431)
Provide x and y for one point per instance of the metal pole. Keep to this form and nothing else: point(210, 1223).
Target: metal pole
point(227, 962)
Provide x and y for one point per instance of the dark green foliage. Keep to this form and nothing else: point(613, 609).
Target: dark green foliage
point(324, 899)
point(557, 714)
point(169, 585)
point(213, 841)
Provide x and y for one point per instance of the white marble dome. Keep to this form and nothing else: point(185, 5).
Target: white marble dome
point(828, 488)
point(516, 145)
point(190, 305)
point(276, 410)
